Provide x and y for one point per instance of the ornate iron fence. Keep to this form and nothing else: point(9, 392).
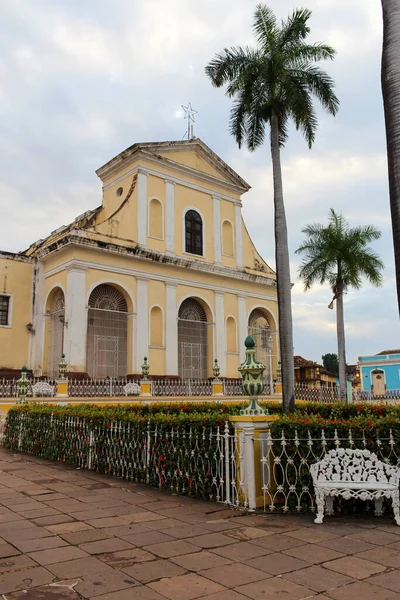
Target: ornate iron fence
point(8, 387)
point(179, 387)
point(369, 396)
point(304, 392)
point(201, 461)
point(86, 388)
point(285, 465)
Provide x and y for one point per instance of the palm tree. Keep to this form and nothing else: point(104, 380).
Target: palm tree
point(338, 254)
point(271, 84)
point(391, 102)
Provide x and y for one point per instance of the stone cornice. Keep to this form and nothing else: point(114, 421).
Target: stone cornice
point(147, 255)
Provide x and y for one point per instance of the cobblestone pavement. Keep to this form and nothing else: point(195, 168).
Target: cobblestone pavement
point(67, 534)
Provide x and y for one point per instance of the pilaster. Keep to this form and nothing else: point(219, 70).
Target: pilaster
point(217, 229)
point(76, 319)
point(171, 332)
point(220, 332)
point(142, 321)
point(238, 236)
point(38, 321)
point(142, 208)
point(242, 325)
point(169, 216)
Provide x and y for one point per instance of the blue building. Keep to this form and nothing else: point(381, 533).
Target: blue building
point(380, 374)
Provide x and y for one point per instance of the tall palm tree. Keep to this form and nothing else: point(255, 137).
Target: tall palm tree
point(339, 254)
point(271, 84)
point(391, 102)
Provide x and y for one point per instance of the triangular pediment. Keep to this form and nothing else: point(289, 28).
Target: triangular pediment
point(193, 155)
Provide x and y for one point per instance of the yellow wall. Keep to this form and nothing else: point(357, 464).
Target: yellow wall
point(16, 279)
point(116, 223)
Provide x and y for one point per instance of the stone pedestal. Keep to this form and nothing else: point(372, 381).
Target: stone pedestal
point(252, 457)
point(62, 388)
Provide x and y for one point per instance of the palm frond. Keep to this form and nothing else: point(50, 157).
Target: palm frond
point(295, 28)
point(318, 83)
point(230, 64)
point(265, 26)
point(309, 52)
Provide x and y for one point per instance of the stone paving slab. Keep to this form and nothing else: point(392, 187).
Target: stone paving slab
point(68, 534)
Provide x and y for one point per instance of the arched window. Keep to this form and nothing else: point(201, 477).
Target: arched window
point(227, 238)
point(260, 330)
point(156, 327)
point(192, 340)
point(156, 220)
point(231, 337)
point(193, 233)
point(107, 333)
point(56, 312)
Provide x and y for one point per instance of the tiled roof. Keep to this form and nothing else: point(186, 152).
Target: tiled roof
point(388, 352)
point(299, 361)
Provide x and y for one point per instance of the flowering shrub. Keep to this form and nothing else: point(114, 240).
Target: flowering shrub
point(171, 450)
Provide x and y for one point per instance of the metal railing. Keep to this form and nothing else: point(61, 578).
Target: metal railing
point(303, 391)
point(201, 461)
point(179, 387)
point(285, 464)
point(86, 388)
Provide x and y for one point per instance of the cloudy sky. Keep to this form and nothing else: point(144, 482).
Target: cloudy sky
point(82, 80)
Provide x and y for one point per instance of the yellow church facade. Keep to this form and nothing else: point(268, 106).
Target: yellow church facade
point(164, 268)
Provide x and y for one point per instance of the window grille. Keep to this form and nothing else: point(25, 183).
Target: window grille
point(192, 340)
point(107, 337)
point(56, 332)
point(4, 309)
point(193, 233)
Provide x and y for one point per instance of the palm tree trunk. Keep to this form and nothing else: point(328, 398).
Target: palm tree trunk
point(283, 275)
point(391, 102)
point(341, 346)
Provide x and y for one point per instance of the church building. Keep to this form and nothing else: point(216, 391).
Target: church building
point(164, 268)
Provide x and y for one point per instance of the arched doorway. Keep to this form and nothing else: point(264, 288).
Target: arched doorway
point(107, 333)
point(378, 382)
point(56, 315)
point(192, 340)
point(260, 329)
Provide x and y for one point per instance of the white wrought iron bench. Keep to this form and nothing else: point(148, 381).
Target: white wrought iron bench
point(354, 474)
point(131, 389)
point(42, 388)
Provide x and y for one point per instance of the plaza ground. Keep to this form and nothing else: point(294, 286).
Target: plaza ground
point(67, 534)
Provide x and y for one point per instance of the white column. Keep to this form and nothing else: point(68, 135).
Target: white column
point(169, 216)
point(220, 351)
point(238, 235)
point(217, 229)
point(171, 331)
point(142, 322)
point(132, 327)
point(142, 208)
point(38, 322)
point(242, 318)
point(75, 320)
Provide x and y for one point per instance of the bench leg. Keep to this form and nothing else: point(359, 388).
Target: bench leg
point(320, 500)
point(395, 503)
point(378, 507)
point(329, 505)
